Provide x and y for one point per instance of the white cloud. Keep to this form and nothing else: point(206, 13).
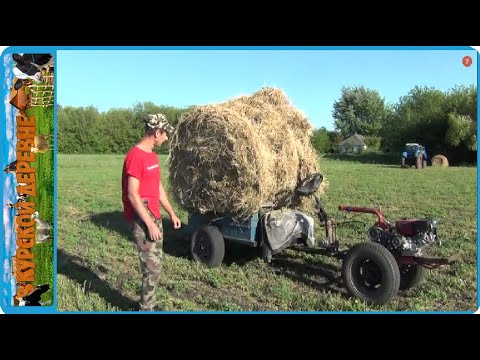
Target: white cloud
point(13, 283)
point(8, 79)
point(8, 230)
point(10, 127)
point(6, 219)
point(6, 270)
point(8, 227)
point(8, 241)
point(6, 198)
point(9, 109)
point(12, 154)
point(7, 60)
point(8, 182)
point(11, 113)
point(8, 66)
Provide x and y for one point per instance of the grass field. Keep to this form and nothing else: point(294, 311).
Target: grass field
point(44, 173)
point(98, 266)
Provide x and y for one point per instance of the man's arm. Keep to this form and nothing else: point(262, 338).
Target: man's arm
point(168, 208)
point(136, 201)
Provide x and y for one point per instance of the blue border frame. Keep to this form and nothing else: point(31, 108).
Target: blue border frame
point(478, 202)
point(53, 50)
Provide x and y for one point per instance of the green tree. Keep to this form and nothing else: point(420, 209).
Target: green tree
point(461, 106)
point(85, 130)
point(359, 110)
point(462, 100)
point(461, 132)
point(418, 117)
point(335, 139)
point(445, 122)
point(321, 140)
point(373, 142)
point(76, 129)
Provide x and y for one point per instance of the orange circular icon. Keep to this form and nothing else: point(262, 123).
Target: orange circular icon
point(467, 61)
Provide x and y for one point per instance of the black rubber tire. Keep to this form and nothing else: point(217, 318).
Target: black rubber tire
point(375, 261)
point(207, 246)
point(419, 162)
point(411, 275)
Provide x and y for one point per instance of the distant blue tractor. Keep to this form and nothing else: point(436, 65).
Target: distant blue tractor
point(414, 154)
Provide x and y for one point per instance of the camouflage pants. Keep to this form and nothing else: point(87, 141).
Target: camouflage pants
point(150, 254)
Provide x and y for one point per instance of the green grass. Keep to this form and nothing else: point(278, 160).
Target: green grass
point(44, 174)
point(98, 266)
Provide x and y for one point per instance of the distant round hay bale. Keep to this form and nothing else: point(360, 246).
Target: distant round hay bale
point(439, 160)
point(233, 157)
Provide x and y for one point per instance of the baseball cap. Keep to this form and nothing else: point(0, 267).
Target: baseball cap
point(158, 121)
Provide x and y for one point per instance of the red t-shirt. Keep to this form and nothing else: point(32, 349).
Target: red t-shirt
point(145, 167)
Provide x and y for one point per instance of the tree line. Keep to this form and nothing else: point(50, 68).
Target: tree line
point(445, 122)
point(85, 130)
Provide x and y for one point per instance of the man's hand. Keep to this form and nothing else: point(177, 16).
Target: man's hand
point(166, 205)
point(176, 221)
point(153, 231)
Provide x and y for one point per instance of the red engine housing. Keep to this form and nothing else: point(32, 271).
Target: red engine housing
point(407, 227)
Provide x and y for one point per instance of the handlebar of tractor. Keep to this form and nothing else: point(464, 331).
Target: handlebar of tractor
point(349, 208)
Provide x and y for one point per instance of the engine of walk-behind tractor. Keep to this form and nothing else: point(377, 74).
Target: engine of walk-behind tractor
point(407, 237)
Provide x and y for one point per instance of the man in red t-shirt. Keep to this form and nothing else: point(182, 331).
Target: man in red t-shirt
point(142, 194)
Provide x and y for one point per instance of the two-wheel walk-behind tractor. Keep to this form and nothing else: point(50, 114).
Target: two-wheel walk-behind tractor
point(373, 271)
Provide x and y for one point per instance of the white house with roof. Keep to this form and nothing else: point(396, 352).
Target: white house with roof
point(355, 144)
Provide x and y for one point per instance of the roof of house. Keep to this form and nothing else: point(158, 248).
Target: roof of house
point(14, 93)
point(354, 140)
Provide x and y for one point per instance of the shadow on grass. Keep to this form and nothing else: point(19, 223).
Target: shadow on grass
point(239, 254)
point(371, 158)
point(302, 272)
point(174, 241)
point(72, 267)
point(113, 220)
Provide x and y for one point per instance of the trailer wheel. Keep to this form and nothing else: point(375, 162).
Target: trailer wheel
point(208, 246)
point(370, 273)
point(411, 275)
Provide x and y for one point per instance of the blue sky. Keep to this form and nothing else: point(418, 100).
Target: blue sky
point(312, 79)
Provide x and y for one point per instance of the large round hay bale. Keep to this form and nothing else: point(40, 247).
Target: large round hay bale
point(439, 160)
point(233, 157)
